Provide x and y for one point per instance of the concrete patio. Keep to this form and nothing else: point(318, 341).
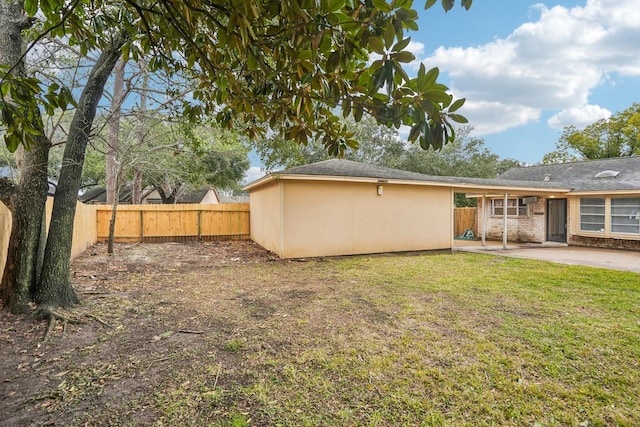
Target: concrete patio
point(615, 259)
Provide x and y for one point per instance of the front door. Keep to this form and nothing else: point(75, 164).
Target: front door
point(557, 220)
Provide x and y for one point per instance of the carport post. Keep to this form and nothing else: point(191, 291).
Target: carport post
point(504, 221)
point(484, 220)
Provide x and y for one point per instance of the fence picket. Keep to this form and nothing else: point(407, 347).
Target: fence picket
point(175, 222)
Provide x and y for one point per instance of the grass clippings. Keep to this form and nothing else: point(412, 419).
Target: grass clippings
point(224, 334)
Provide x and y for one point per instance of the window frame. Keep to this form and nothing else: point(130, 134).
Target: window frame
point(514, 204)
point(584, 214)
point(622, 211)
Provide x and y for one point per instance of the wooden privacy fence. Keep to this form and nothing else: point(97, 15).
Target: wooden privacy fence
point(464, 218)
point(183, 222)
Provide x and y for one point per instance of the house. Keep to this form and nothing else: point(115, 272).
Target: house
point(341, 207)
point(600, 208)
point(98, 195)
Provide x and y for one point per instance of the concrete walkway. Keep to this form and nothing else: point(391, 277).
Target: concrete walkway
point(615, 259)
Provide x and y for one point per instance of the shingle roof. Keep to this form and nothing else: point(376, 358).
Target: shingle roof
point(571, 177)
point(581, 176)
point(349, 168)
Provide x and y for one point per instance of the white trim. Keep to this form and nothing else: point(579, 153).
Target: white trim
point(484, 221)
point(505, 228)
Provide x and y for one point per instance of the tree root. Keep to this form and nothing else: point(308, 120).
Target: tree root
point(99, 320)
point(52, 316)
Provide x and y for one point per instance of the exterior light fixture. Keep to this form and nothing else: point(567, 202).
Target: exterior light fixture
point(379, 190)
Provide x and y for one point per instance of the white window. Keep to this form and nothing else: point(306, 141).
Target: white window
point(515, 207)
point(592, 214)
point(625, 215)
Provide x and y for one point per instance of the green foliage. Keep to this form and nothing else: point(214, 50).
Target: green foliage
point(270, 64)
point(20, 100)
point(172, 155)
point(618, 136)
point(376, 145)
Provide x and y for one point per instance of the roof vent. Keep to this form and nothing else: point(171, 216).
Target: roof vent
point(547, 177)
point(607, 174)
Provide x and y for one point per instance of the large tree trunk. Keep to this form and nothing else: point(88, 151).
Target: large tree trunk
point(113, 131)
point(54, 288)
point(21, 268)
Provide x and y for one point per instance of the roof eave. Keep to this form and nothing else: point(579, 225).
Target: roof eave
point(457, 186)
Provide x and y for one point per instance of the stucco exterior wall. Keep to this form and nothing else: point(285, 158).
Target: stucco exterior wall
point(266, 213)
point(324, 218)
point(530, 228)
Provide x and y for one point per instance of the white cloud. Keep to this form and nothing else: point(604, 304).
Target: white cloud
point(253, 173)
point(494, 117)
point(550, 64)
point(579, 116)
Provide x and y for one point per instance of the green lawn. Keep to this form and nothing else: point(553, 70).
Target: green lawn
point(431, 339)
point(446, 340)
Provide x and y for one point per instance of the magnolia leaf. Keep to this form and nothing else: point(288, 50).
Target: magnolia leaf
point(447, 5)
point(457, 104)
point(389, 36)
point(414, 132)
point(12, 141)
point(431, 76)
point(31, 7)
point(334, 5)
point(382, 5)
point(404, 56)
point(401, 45)
point(376, 44)
point(429, 3)
point(438, 96)
point(458, 118)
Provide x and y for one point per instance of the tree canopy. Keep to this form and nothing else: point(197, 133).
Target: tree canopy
point(267, 65)
point(617, 136)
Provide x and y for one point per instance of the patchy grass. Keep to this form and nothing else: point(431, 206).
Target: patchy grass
point(430, 339)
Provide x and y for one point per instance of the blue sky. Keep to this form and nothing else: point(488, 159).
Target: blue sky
point(530, 68)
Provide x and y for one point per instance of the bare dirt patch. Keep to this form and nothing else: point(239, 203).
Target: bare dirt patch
point(140, 321)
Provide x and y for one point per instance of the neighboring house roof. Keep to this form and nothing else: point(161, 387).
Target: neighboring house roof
point(197, 196)
point(98, 195)
point(95, 194)
point(341, 169)
point(585, 176)
point(243, 198)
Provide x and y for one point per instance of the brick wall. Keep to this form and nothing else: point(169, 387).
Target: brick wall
point(604, 242)
point(530, 228)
